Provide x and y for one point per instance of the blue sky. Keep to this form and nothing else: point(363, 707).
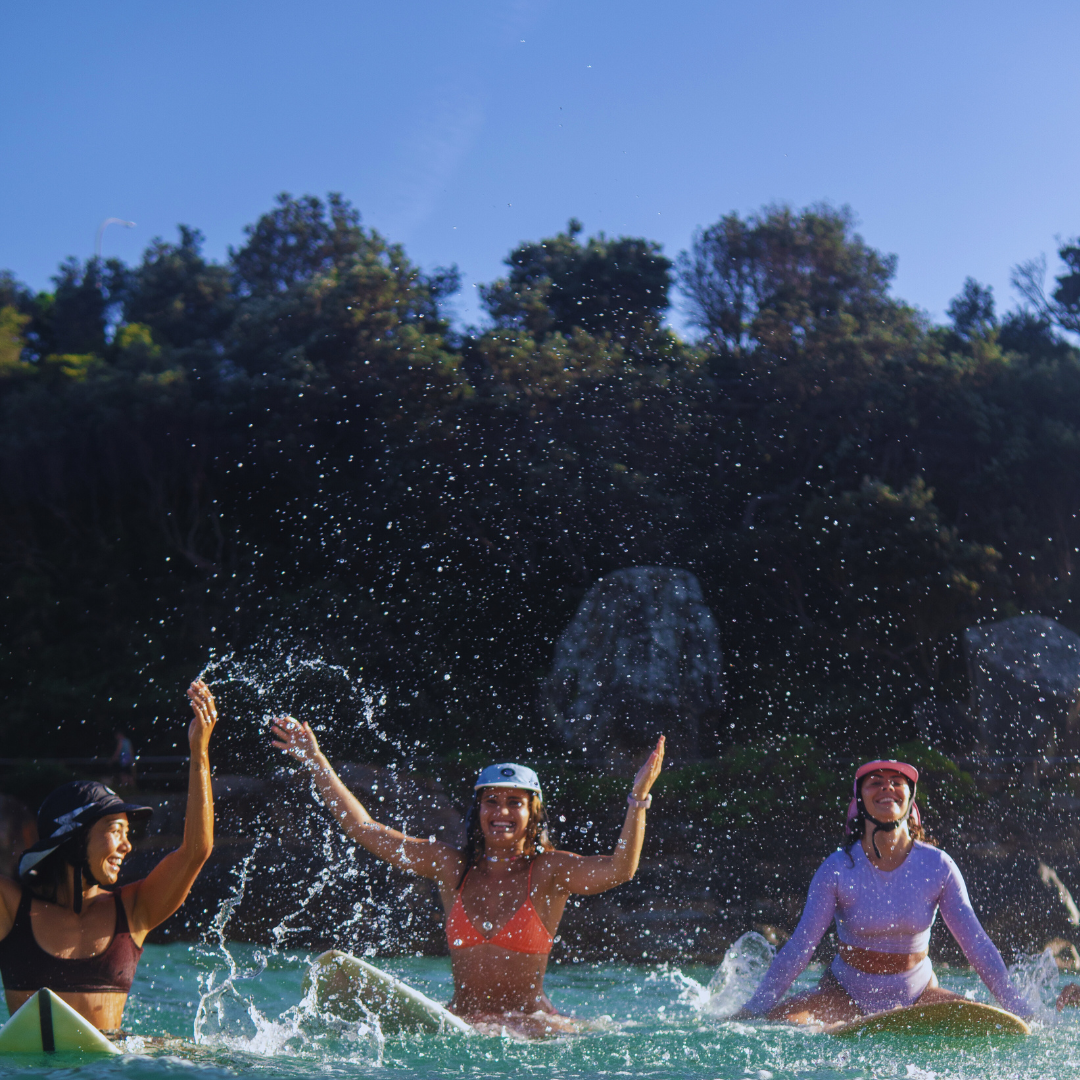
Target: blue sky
point(460, 129)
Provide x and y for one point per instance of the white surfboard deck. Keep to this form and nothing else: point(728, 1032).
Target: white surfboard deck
point(939, 1018)
point(46, 1023)
point(352, 989)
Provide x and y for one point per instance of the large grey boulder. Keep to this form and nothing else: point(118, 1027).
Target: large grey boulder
point(1025, 686)
point(945, 724)
point(640, 658)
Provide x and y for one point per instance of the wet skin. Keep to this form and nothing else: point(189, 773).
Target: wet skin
point(489, 979)
point(58, 930)
point(147, 903)
point(886, 796)
point(490, 982)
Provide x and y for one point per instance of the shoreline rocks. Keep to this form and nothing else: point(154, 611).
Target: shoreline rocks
point(1025, 689)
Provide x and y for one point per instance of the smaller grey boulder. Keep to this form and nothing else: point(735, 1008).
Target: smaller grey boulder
point(1025, 686)
point(640, 658)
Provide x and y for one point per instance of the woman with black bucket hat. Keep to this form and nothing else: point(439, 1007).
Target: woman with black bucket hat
point(65, 924)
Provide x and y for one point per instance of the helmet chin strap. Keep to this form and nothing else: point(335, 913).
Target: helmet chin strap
point(885, 826)
point(882, 826)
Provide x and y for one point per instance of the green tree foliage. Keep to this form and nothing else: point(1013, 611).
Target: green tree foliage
point(1062, 307)
point(617, 287)
point(183, 300)
point(12, 343)
point(73, 318)
point(780, 284)
point(292, 451)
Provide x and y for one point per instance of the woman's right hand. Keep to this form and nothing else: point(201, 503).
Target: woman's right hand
point(295, 738)
point(202, 725)
point(648, 772)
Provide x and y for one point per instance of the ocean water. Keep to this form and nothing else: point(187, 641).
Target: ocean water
point(236, 1010)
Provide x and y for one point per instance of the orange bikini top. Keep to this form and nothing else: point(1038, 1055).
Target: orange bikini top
point(524, 933)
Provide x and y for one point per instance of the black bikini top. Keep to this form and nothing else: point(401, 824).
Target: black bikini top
point(25, 965)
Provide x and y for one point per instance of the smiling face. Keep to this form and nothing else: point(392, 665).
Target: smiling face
point(106, 847)
point(886, 794)
point(504, 818)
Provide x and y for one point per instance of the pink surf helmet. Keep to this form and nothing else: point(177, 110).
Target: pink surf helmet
point(905, 770)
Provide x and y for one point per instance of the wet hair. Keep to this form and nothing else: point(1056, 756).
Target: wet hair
point(536, 834)
point(858, 825)
point(46, 879)
point(49, 876)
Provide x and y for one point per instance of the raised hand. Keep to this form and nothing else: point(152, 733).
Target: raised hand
point(202, 723)
point(295, 738)
point(648, 772)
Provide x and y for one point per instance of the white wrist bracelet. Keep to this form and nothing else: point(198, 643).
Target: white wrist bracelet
point(641, 804)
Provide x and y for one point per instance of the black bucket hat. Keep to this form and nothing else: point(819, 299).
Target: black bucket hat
point(69, 811)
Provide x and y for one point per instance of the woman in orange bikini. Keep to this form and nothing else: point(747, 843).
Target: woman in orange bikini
point(504, 893)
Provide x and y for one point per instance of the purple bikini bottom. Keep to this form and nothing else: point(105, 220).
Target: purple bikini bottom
point(876, 993)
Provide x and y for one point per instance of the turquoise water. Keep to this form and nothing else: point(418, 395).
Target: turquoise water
point(258, 1023)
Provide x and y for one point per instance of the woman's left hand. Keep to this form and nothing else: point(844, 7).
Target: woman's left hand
point(1070, 995)
point(202, 724)
point(648, 772)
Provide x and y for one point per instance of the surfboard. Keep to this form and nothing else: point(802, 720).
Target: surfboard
point(939, 1018)
point(47, 1024)
point(352, 989)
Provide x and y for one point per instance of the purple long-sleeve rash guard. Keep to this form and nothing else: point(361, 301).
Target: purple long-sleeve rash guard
point(887, 911)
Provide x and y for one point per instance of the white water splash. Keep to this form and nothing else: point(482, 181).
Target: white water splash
point(214, 993)
point(1036, 977)
point(691, 993)
point(913, 1072)
point(743, 967)
point(229, 1018)
point(331, 872)
point(227, 1015)
point(279, 684)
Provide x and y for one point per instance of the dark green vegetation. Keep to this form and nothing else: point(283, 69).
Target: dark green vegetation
point(295, 453)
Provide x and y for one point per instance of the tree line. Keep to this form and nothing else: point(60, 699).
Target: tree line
point(296, 453)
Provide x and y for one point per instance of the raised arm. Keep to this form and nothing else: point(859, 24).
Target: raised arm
point(596, 873)
point(981, 952)
point(166, 887)
point(427, 858)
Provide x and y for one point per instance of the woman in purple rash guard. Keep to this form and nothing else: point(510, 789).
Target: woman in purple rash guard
point(884, 889)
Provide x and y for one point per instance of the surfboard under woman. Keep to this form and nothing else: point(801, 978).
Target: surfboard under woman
point(505, 891)
point(884, 889)
point(64, 924)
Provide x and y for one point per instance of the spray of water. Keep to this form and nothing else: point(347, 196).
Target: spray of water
point(743, 967)
point(1036, 977)
point(218, 988)
point(283, 681)
point(227, 1015)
